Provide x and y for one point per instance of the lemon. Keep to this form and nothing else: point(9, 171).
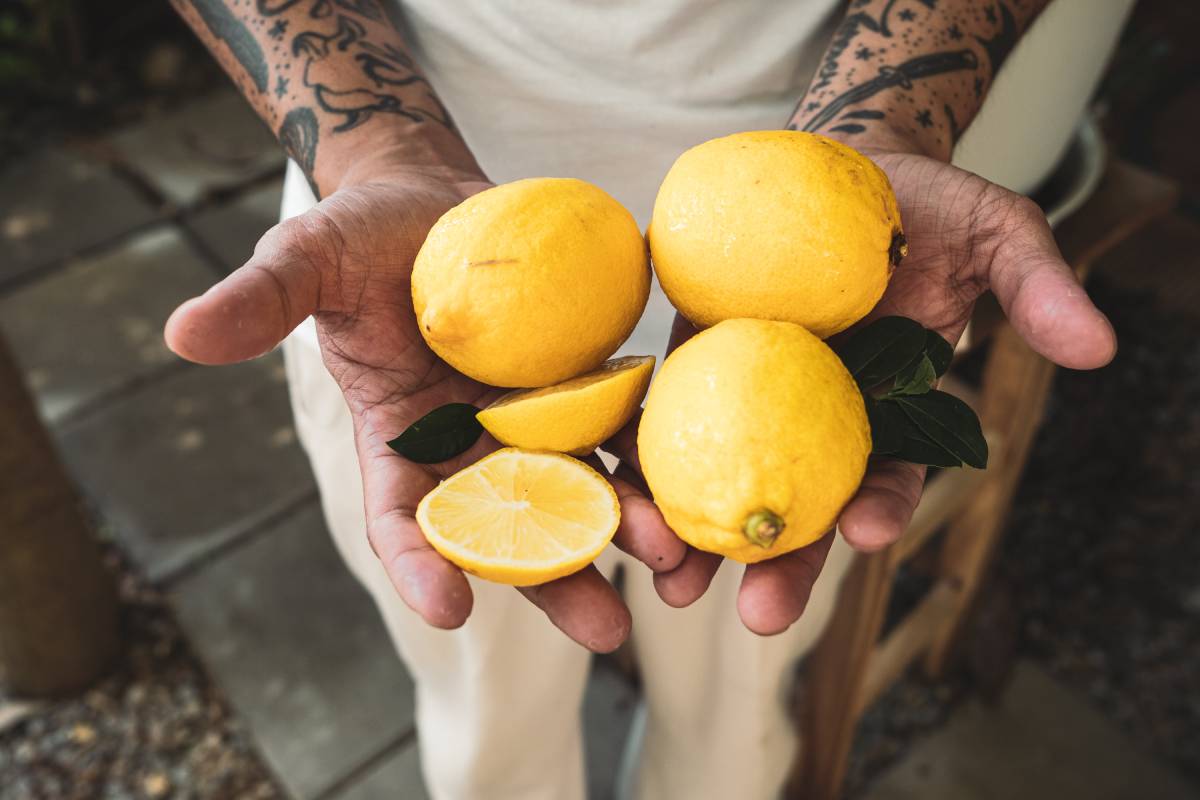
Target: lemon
point(574, 416)
point(530, 283)
point(753, 439)
point(777, 225)
point(521, 518)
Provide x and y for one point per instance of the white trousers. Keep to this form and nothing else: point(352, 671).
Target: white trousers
point(498, 700)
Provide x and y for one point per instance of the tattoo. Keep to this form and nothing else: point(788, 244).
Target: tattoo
point(955, 132)
point(999, 46)
point(299, 134)
point(902, 75)
point(898, 44)
point(356, 94)
point(230, 30)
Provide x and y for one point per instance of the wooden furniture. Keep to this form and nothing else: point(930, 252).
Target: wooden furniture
point(851, 666)
point(58, 604)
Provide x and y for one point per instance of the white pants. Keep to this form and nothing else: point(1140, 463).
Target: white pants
point(498, 700)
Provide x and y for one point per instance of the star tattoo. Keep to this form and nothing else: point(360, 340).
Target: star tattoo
point(277, 30)
point(925, 119)
point(907, 15)
point(281, 86)
point(954, 33)
point(863, 53)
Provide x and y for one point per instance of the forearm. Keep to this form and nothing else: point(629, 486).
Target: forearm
point(335, 82)
point(911, 73)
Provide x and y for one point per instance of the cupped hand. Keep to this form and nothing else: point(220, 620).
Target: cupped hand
point(966, 236)
point(347, 263)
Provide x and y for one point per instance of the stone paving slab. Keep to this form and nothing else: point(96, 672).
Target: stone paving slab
point(191, 462)
point(214, 143)
point(55, 203)
point(232, 229)
point(299, 648)
point(396, 778)
point(97, 325)
point(1040, 742)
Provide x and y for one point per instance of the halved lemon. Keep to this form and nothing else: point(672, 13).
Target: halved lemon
point(521, 518)
point(574, 416)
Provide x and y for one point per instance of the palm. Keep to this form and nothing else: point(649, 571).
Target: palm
point(966, 236)
point(348, 263)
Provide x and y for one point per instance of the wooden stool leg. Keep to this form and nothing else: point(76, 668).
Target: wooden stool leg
point(58, 604)
point(1016, 385)
point(833, 678)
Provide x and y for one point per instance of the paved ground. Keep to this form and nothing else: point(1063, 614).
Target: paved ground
point(197, 474)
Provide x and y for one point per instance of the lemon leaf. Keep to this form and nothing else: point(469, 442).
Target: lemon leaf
point(919, 449)
point(949, 423)
point(882, 349)
point(939, 351)
point(888, 426)
point(440, 435)
point(916, 379)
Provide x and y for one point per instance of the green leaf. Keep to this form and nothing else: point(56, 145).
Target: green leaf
point(939, 351)
point(888, 426)
point(881, 349)
point(440, 435)
point(916, 379)
point(918, 449)
point(949, 423)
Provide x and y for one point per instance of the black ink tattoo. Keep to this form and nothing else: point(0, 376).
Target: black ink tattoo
point(230, 30)
point(907, 15)
point(278, 29)
point(901, 75)
point(299, 134)
point(346, 93)
point(999, 46)
point(864, 114)
point(924, 118)
point(281, 86)
point(863, 53)
point(849, 127)
point(953, 121)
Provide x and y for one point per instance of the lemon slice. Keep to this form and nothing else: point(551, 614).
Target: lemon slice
point(574, 416)
point(521, 518)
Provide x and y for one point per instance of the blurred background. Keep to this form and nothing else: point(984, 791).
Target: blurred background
point(248, 663)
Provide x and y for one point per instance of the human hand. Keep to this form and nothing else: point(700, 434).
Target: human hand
point(347, 262)
point(966, 236)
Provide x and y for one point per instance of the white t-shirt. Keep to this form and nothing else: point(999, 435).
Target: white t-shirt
point(612, 91)
point(609, 91)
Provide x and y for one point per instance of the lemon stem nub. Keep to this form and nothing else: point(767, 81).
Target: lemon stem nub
point(898, 249)
point(763, 527)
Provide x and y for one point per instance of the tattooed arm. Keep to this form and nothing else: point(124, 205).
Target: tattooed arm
point(334, 80)
point(911, 71)
point(899, 82)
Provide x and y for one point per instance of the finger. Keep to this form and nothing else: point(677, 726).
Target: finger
point(427, 583)
point(686, 583)
point(774, 593)
point(880, 511)
point(642, 532)
point(1041, 296)
point(681, 331)
point(585, 607)
point(253, 309)
point(623, 444)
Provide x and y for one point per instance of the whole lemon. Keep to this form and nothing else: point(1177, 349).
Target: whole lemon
point(532, 282)
point(777, 225)
point(753, 439)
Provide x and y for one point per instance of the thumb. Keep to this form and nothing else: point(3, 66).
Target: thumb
point(252, 310)
point(1041, 295)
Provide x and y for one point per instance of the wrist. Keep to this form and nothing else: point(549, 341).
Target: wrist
point(443, 158)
